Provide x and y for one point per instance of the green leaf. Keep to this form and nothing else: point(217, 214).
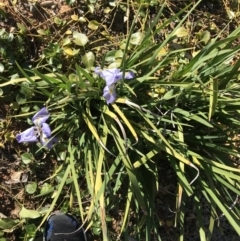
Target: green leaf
point(110, 56)
point(205, 37)
point(42, 32)
point(1, 68)
point(66, 41)
point(25, 109)
point(119, 54)
point(71, 51)
point(70, 2)
point(192, 116)
point(31, 230)
point(93, 25)
point(181, 32)
point(28, 213)
point(22, 28)
point(213, 97)
point(73, 78)
point(80, 38)
point(88, 60)
point(27, 158)
point(21, 99)
point(7, 223)
point(46, 188)
point(31, 187)
point(14, 106)
point(58, 21)
point(136, 38)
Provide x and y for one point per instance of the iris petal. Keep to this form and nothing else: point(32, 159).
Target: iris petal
point(46, 129)
point(109, 93)
point(129, 75)
point(111, 76)
point(47, 142)
point(29, 135)
point(40, 117)
point(97, 70)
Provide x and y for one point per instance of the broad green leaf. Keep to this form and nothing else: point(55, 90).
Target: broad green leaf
point(80, 38)
point(25, 109)
point(31, 230)
point(46, 187)
point(119, 54)
point(115, 64)
point(57, 20)
point(7, 223)
point(205, 37)
point(181, 32)
point(31, 187)
point(110, 56)
point(71, 51)
point(66, 41)
point(136, 38)
point(42, 32)
point(93, 25)
point(28, 213)
point(22, 28)
point(88, 60)
point(82, 19)
point(231, 14)
point(21, 99)
point(27, 158)
point(74, 17)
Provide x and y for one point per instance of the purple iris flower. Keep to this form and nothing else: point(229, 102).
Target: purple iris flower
point(109, 93)
point(112, 76)
point(41, 129)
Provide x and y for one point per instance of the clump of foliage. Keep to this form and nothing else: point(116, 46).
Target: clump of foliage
point(182, 105)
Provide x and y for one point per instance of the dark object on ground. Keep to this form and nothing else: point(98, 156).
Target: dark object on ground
point(63, 227)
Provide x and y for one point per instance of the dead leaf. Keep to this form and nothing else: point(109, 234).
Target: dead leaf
point(2, 215)
point(16, 210)
point(64, 8)
point(17, 177)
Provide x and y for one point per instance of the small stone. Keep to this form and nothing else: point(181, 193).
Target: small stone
point(33, 8)
point(47, 4)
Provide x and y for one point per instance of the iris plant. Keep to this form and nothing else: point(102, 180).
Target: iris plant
point(41, 130)
point(112, 76)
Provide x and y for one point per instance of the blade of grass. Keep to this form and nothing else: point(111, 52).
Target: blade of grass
point(213, 195)
point(127, 123)
point(126, 160)
point(75, 178)
point(99, 183)
point(213, 97)
point(57, 195)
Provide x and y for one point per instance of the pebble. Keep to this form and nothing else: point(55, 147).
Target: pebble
point(47, 4)
point(33, 8)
